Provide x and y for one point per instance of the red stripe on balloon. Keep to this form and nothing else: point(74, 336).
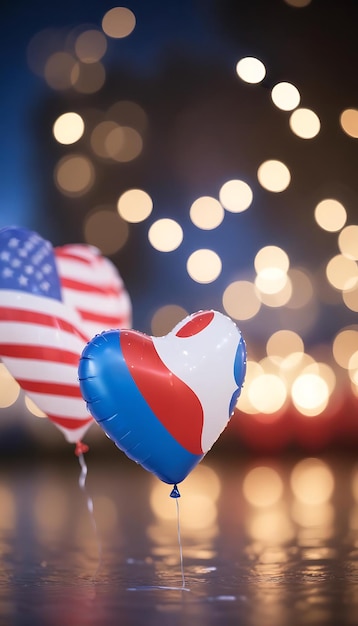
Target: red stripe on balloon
point(175, 405)
point(41, 354)
point(43, 319)
point(55, 389)
point(68, 422)
point(197, 323)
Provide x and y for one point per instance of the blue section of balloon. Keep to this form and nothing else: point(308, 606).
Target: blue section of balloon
point(239, 372)
point(118, 406)
point(27, 263)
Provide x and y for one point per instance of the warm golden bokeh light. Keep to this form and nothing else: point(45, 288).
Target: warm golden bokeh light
point(271, 257)
point(135, 205)
point(128, 113)
point(350, 298)
point(270, 526)
point(123, 144)
point(165, 318)
point(305, 123)
point(74, 175)
point(198, 508)
point(165, 235)
point(302, 288)
point(324, 371)
point(9, 388)
point(244, 404)
point(118, 22)
point(345, 344)
point(348, 242)
point(284, 342)
point(204, 266)
point(251, 70)
point(33, 408)
point(61, 71)
point(310, 394)
point(275, 293)
point(330, 215)
point(206, 213)
point(271, 281)
point(99, 136)
point(349, 122)
point(105, 229)
point(285, 96)
point(262, 486)
point(274, 176)
point(88, 77)
point(240, 300)
point(267, 393)
point(312, 481)
point(90, 46)
point(68, 128)
point(342, 272)
point(235, 196)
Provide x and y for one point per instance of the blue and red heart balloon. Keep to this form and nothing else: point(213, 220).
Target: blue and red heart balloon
point(164, 401)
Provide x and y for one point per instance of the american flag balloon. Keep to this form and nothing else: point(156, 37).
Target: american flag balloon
point(41, 337)
point(164, 401)
point(91, 284)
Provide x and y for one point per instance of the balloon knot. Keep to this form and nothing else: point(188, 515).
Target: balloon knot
point(175, 492)
point(81, 448)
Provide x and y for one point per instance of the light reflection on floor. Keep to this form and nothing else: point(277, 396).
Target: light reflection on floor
point(265, 541)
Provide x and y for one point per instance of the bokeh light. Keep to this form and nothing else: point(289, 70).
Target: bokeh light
point(310, 394)
point(135, 205)
point(350, 297)
point(305, 123)
point(235, 196)
point(284, 342)
point(345, 344)
point(240, 300)
point(330, 215)
point(298, 3)
point(206, 213)
point(105, 229)
point(123, 144)
point(33, 408)
point(118, 22)
point(61, 71)
point(74, 175)
point(90, 46)
point(349, 122)
point(348, 241)
point(10, 389)
point(285, 96)
point(312, 481)
point(88, 78)
point(274, 176)
point(204, 266)
point(302, 288)
point(165, 235)
point(68, 128)
point(267, 393)
point(262, 486)
point(165, 318)
point(251, 70)
point(342, 272)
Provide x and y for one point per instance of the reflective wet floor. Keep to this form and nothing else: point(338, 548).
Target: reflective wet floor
point(265, 541)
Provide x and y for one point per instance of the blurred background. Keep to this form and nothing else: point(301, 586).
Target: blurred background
point(208, 149)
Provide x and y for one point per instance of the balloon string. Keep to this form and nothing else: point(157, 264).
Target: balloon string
point(82, 485)
point(180, 545)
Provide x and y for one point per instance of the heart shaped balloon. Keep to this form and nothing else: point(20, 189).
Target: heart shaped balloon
point(41, 338)
point(164, 401)
point(92, 285)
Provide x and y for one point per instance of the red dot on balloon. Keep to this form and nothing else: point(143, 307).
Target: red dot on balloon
point(198, 322)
